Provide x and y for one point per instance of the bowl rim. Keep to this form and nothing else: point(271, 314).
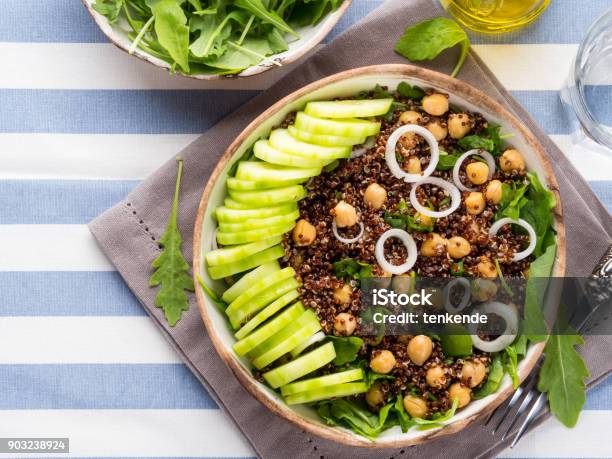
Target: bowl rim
point(325, 27)
point(452, 86)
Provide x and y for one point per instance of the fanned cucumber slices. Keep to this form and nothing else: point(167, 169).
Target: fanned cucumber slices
point(270, 322)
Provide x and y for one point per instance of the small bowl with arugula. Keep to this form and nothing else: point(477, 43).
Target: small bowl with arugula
point(214, 39)
point(391, 172)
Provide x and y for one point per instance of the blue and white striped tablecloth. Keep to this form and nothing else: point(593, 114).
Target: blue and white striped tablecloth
point(80, 124)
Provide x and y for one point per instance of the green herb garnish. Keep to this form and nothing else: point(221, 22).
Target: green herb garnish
point(426, 40)
point(348, 268)
point(171, 269)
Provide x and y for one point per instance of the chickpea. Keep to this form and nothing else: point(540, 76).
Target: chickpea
point(477, 172)
point(433, 246)
point(344, 214)
point(419, 349)
point(512, 160)
point(375, 396)
point(459, 124)
point(304, 233)
point(424, 220)
point(382, 362)
point(475, 203)
point(437, 129)
point(414, 165)
point(435, 104)
point(410, 117)
point(486, 268)
point(415, 406)
point(342, 295)
point(458, 247)
point(457, 391)
point(408, 140)
point(493, 191)
point(483, 289)
point(375, 196)
point(402, 283)
point(345, 324)
point(435, 377)
point(473, 372)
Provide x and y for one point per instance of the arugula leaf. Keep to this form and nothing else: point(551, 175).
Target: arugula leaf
point(456, 345)
point(171, 269)
point(409, 91)
point(372, 377)
point(562, 377)
point(488, 139)
point(257, 8)
point(537, 211)
point(109, 8)
point(214, 296)
point(540, 270)
point(349, 268)
point(438, 418)
point(512, 201)
point(447, 162)
point(496, 373)
point(511, 365)
point(346, 348)
point(171, 29)
point(426, 40)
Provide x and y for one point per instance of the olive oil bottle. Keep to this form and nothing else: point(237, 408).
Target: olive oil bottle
point(495, 16)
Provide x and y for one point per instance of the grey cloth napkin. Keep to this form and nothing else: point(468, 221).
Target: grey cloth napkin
point(128, 232)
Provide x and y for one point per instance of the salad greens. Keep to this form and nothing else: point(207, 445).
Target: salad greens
point(213, 36)
point(349, 268)
point(171, 268)
point(426, 40)
point(346, 347)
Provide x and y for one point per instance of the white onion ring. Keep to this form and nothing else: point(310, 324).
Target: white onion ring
point(345, 240)
point(396, 170)
point(495, 227)
point(408, 243)
point(467, 293)
point(485, 154)
point(510, 316)
point(369, 143)
point(447, 186)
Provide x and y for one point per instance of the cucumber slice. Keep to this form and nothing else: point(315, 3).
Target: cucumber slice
point(286, 143)
point(271, 328)
point(281, 343)
point(259, 258)
point(231, 204)
point(265, 314)
point(228, 255)
point(348, 108)
point(325, 140)
point(301, 366)
point(249, 185)
point(249, 279)
point(265, 198)
point(259, 286)
point(264, 151)
point(343, 127)
point(243, 237)
point(324, 393)
point(256, 223)
point(333, 379)
point(225, 214)
point(318, 336)
point(266, 297)
point(270, 173)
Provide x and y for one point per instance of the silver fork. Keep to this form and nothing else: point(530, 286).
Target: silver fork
point(527, 393)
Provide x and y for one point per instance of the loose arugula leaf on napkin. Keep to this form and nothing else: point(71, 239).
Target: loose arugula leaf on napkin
point(562, 378)
point(172, 271)
point(426, 40)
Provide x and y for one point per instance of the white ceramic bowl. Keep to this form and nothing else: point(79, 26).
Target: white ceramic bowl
point(310, 37)
point(348, 84)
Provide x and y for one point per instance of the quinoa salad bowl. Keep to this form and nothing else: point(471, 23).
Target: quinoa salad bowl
point(389, 171)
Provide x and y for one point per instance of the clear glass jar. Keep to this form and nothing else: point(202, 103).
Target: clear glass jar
point(587, 96)
point(495, 16)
